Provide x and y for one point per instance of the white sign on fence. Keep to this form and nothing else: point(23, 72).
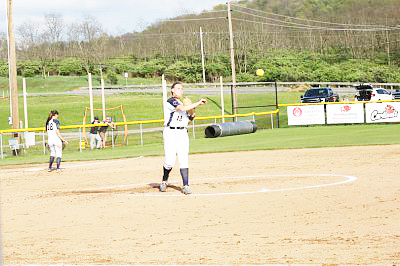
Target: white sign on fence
point(344, 113)
point(29, 139)
point(382, 112)
point(306, 115)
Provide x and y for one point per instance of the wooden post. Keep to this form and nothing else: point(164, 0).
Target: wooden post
point(388, 46)
point(12, 67)
point(232, 53)
point(202, 55)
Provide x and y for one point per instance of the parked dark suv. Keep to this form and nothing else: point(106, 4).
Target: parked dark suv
point(365, 92)
point(317, 95)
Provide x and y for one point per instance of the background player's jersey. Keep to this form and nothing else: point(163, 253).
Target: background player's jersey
point(52, 128)
point(173, 117)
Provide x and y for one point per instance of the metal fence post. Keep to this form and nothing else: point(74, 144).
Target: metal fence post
point(141, 134)
point(44, 143)
point(112, 137)
point(194, 134)
point(1, 144)
point(276, 104)
point(80, 139)
point(272, 120)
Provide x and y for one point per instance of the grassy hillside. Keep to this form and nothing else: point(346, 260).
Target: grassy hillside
point(297, 40)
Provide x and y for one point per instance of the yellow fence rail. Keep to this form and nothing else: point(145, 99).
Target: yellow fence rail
point(138, 122)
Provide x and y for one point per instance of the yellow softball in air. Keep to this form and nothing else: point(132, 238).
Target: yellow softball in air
point(260, 72)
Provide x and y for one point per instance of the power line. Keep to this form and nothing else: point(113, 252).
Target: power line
point(204, 12)
point(295, 36)
point(264, 33)
point(191, 33)
point(266, 23)
point(191, 19)
point(310, 28)
point(315, 21)
point(314, 27)
point(278, 20)
point(277, 25)
point(205, 33)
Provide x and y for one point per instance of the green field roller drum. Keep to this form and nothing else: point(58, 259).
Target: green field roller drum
point(230, 128)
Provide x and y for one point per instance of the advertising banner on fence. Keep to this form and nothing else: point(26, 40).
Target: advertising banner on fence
point(382, 112)
point(306, 115)
point(344, 113)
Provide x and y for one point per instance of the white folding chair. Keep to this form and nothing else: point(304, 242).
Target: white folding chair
point(15, 146)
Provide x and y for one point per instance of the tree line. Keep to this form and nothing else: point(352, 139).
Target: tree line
point(336, 40)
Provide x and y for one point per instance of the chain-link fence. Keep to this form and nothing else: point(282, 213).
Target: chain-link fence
point(32, 142)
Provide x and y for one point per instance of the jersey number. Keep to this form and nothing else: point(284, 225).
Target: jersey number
point(179, 118)
point(50, 127)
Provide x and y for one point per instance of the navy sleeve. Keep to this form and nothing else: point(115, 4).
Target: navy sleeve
point(173, 101)
point(57, 123)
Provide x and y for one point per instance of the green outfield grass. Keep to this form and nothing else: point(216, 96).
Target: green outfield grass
point(50, 84)
point(63, 83)
point(303, 137)
point(282, 138)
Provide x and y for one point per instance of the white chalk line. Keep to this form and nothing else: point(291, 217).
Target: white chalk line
point(34, 169)
point(263, 190)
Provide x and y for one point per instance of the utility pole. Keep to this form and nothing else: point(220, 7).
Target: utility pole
point(232, 52)
point(388, 46)
point(202, 55)
point(12, 67)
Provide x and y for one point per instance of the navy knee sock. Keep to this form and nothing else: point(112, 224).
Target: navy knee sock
point(58, 162)
point(51, 161)
point(166, 174)
point(185, 176)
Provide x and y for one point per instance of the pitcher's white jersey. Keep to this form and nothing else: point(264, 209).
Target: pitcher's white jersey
point(173, 117)
point(52, 128)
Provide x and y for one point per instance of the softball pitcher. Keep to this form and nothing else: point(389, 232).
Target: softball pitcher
point(54, 139)
point(175, 135)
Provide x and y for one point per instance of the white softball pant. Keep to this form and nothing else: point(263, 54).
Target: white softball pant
point(176, 142)
point(56, 149)
point(95, 141)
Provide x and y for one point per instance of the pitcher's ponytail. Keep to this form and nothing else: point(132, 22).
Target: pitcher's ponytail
point(51, 114)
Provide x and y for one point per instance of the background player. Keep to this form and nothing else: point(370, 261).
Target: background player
point(54, 139)
point(95, 139)
point(175, 135)
point(103, 130)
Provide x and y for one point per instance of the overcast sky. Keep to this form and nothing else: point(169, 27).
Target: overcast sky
point(116, 16)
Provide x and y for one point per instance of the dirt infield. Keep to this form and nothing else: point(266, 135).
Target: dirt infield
point(302, 206)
